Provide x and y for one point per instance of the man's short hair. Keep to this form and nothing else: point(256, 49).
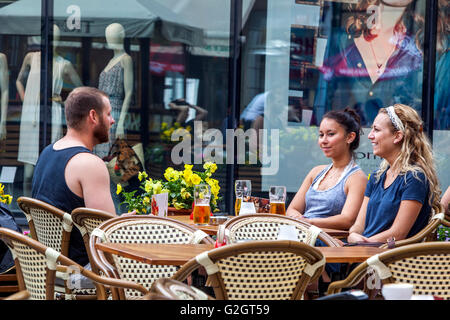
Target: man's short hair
point(79, 102)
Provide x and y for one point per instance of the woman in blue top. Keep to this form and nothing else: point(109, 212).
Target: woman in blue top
point(402, 193)
point(331, 195)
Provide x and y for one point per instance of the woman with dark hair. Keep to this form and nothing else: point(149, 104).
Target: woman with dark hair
point(331, 195)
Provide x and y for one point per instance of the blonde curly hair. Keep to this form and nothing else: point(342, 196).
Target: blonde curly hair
point(416, 153)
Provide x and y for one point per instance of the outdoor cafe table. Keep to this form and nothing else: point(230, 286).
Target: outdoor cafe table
point(212, 229)
point(179, 254)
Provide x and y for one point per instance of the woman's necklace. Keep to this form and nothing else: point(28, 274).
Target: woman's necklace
point(380, 64)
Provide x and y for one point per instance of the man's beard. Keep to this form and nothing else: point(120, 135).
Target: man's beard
point(101, 132)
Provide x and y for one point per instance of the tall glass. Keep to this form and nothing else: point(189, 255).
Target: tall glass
point(202, 211)
point(277, 196)
point(243, 190)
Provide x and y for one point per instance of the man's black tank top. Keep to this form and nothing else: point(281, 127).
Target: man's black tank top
point(49, 185)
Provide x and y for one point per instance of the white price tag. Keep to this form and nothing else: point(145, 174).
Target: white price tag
point(287, 232)
point(247, 208)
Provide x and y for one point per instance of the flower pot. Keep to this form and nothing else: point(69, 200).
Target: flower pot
point(172, 211)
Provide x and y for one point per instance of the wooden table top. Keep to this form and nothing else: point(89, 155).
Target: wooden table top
point(179, 254)
point(212, 229)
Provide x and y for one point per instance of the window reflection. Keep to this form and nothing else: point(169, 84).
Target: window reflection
point(373, 59)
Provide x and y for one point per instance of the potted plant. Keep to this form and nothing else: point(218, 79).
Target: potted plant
point(178, 184)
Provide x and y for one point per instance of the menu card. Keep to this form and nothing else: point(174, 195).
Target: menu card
point(160, 203)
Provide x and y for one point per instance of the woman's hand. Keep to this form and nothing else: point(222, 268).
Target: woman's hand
point(356, 237)
point(296, 215)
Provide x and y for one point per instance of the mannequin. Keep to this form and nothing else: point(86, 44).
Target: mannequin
point(62, 69)
point(30, 96)
point(4, 95)
point(116, 80)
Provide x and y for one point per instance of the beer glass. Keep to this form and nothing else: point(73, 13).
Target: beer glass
point(202, 211)
point(277, 196)
point(243, 189)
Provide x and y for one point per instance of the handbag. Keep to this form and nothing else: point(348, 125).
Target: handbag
point(124, 161)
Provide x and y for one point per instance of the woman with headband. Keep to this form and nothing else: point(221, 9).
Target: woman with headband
point(401, 195)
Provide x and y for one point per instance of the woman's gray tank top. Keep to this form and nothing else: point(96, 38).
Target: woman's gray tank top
point(327, 203)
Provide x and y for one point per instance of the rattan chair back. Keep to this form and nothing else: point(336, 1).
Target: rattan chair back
point(48, 224)
point(52, 227)
point(140, 229)
point(170, 289)
point(38, 264)
point(258, 270)
point(425, 265)
point(428, 233)
point(87, 220)
point(266, 226)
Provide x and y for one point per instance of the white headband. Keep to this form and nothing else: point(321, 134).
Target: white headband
point(395, 119)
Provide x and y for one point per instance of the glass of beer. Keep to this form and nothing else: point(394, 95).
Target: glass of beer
point(277, 196)
point(202, 211)
point(243, 190)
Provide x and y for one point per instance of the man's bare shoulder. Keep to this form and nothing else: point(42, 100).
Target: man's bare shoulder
point(87, 162)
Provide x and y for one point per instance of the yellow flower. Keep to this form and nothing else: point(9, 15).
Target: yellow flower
point(187, 177)
point(185, 194)
point(157, 187)
point(164, 125)
point(142, 175)
point(119, 188)
point(210, 166)
point(1, 188)
point(146, 200)
point(188, 167)
point(178, 205)
point(8, 199)
point(148, 185)
point(195, 178)
point(171, 174)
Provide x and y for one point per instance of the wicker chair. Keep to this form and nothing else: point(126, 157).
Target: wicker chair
point(52, 227)
point(169, 289)
point(426, 234)
point(8, 283)
point(425, 265)
point(265, 226)
point(37, 266)
point(21, 295)
point(86, 220)
point(258, 270)
point(140, 229)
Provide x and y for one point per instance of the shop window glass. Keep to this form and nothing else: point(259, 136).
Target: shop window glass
point(441, 133)
point(163, 63)
point(304, 58)
point(21, 117)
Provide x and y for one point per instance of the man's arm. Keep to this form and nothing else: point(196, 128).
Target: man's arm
point(88, 177)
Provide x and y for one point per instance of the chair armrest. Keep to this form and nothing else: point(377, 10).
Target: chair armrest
point(112, 282)
point(352, 279)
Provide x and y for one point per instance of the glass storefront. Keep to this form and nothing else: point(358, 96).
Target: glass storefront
point(169, 65)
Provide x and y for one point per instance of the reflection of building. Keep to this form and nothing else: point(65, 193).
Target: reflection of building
point(189, 49)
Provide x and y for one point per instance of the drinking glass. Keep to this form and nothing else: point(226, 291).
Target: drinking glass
point(277, 196)
point(243, 189)
point(202, 211)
